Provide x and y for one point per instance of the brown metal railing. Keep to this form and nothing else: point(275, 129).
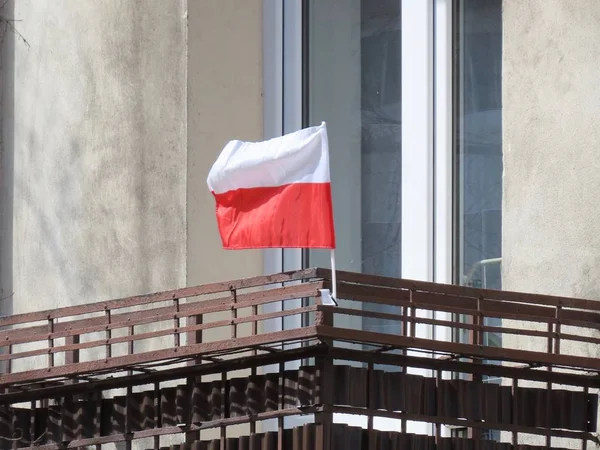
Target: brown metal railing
point(103, 320)
point(476, 304)
point(63, 362)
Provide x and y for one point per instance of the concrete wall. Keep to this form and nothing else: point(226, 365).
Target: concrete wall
point(99, 148)
point(224, 102)
point(99, 145)
point(551, 105)
point(113, 113)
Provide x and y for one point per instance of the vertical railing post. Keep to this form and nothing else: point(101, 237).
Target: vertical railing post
point(515, 408)
point(410, 332)
point(190, 436)
point(50, 343)
point(176, 324)
point(550, 349)
point(438, 425)
point(157, 414)
point(478, 322)
point(557, 333)
point(98, 418)
point(586, 416)
point(413, 315)
point(254, 352)
point(370, 405)
point(108, 334)
point(325, 369)
point(194, 337)
point(16, 437)
point(233, 308)
point(72, 356)
point(281, 406)
point(32, 434)
point(129, 392)
point(407, 331)
point(224, 408)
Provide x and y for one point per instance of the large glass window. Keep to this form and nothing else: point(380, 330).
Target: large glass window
point(354, 84)
point(355, 54)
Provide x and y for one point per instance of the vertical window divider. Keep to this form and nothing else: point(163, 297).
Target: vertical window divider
point(418, 120)
point(443, 161)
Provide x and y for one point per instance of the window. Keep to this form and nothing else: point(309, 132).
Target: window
point(411, 93)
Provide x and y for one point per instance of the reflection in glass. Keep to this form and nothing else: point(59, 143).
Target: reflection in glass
point(479, 142)
point(354, 84)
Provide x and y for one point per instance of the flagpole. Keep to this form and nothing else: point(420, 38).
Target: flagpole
point(333, 277)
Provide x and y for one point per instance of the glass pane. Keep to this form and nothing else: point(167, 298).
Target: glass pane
point(479, 142)
point(479, 146)
point(354, 75)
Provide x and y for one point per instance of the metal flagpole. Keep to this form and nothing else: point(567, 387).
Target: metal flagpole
point(333, 277)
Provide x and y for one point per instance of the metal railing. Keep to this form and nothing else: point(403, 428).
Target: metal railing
point(65, 364)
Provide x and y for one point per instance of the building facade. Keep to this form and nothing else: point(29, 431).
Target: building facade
point(463, 141)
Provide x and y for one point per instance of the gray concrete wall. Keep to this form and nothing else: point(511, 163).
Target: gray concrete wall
point(551, 106)
point(113, 122)
point(99, 145)
point(113, 112)
point(224, 102)
point(99, 148)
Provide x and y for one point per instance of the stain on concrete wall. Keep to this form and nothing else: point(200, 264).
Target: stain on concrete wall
point(99, 151)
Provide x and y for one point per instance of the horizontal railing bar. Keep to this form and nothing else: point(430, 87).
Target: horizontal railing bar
point(579, 319)
point(460, 291)
point(438, 322)
point(380, 294)
point(153, 334)
point(433, 301)
point(222, 304)
point(467, 350)
point(191, 350)
point(139, 300)
point(401, 297)
point(576, 338)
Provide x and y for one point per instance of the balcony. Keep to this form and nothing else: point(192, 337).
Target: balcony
point(188, 367)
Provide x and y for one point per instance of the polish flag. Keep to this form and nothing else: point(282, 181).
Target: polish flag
point(275, 193)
